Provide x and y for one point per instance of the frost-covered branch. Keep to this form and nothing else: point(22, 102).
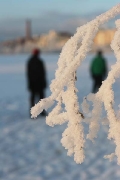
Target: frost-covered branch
point(105, 95)
point(63, 91)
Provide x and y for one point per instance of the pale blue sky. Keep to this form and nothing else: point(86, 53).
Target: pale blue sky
point(34, 8)
point(48, 14)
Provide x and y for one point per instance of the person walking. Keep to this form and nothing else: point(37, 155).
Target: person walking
point(98, 71)
point(36, 77)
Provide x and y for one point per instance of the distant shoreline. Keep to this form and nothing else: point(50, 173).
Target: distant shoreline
point(55, 52)
point(53, 42)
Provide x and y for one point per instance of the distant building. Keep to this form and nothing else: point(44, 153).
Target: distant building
point(104, 37)
point(28, 30)
point(53, 41)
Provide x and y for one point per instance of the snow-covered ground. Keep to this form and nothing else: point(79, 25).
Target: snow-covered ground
point(31, 150)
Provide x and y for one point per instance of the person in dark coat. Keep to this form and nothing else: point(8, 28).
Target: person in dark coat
point(98, 71)
point(36, 76)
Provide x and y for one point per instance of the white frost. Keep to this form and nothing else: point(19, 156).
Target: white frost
point(64, 91)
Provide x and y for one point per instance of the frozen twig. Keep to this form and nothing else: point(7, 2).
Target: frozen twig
point(63, 91)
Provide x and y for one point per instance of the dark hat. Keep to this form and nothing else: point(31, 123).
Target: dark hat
point(36, 51)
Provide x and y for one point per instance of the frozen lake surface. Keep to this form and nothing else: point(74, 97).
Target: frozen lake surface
point(30, 149)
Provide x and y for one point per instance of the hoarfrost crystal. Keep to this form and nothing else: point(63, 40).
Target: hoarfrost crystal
point(64, 92)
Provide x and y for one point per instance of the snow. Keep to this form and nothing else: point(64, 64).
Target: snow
point(30, 149)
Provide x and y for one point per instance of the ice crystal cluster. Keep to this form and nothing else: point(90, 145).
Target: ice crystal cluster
point(63, 91)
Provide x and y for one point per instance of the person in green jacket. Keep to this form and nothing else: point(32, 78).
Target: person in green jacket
point(98, 71)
